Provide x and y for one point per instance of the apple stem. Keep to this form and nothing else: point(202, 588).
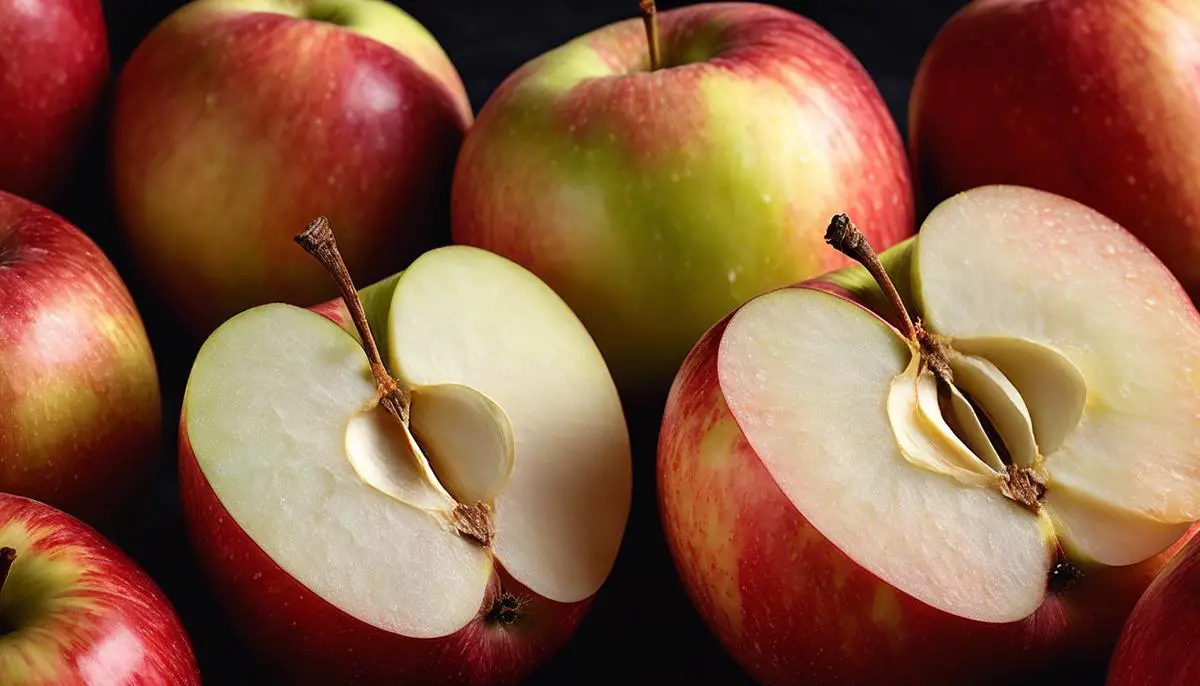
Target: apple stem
point(317, 240)
point(7, 557)
point(650, 19)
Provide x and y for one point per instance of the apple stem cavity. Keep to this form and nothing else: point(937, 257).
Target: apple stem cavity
point(650, 19)
point(7, 557)
point(317, 240)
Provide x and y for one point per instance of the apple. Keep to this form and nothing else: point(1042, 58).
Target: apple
point(439, 507)
point(75, 610)
point(80, 414)
point(655, 200)
point(965, 475)
point(1090, 99)
point(237, 120)
point(1157, 644)
point(53, 69)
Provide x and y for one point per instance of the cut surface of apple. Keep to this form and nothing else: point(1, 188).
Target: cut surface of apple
point(1044, 409)
point(514, 417)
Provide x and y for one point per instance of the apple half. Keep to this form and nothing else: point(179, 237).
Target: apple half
point(446, 524)
point(960, 465)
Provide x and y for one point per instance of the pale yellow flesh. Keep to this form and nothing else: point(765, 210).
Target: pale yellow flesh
point(467, 439)
point(1021, 265)
point(807, 376)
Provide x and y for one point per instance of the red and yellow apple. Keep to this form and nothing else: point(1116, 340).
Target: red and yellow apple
point(238, 120)
point(1091, 99)
point(656, 200)
point(76, 611)
point(979, 496)
point(53, 69)
point(80, 414)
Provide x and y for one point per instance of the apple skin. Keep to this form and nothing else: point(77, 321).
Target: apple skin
point(238, 121)
point(80, 412)
point(654, 203)
point(1090, 99)
point(791, 607)
point(1157, 646)
point(299, 634)
point(98, 617)
point(55, 57)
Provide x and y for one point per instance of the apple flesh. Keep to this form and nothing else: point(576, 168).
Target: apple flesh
point(237, 120)
point(657, 201)
point(75, 611)
point(55, 66)
point(1156, 647)
point(80, 413)
point(460, 545)
point(841, 513)
point(1090, 99)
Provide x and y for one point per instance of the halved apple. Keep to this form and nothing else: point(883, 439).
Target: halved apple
point(945, 490)
point(441, 517)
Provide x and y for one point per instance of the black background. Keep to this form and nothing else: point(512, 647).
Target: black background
point(641, 628)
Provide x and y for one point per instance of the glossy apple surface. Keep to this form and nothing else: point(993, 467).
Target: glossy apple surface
point(655, 202)
point(237, 121)
point(80, 414)
point(76, 611)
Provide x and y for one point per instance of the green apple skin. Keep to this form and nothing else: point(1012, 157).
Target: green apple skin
point(80, 411)
point(656, 202)
point(238, 121)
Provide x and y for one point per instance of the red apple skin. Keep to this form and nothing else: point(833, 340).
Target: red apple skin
point(1157, 646)
point(80, 413)
point(235, 127)
point(300, 635)
point(55, 66)
point(791, 607)
point(652, 204)
point(1091, 99)
point(104, 620)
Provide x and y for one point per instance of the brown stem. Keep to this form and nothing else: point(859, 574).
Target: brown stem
point(7, 557)
point(650, 19)
point(844, 236)
point(317, 240)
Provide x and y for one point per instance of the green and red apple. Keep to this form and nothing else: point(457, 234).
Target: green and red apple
point(657, 200)
point(76, 611)
point(80, 413)
point(969, 482)
point(238, 120)
point(53, 70)
point(426, 488)
point(1094, 100)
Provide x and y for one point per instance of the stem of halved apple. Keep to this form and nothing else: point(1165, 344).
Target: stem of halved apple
point(472, 519)
point(650, 19)
point(917, 401)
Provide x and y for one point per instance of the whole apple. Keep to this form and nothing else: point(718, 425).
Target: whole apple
point(428, 487)
point(238, 120)
point(657, 200)
point(1157, 646)
point(75, 611)
point(53, 68)
point(965, 473)
point(80, 414)
point(1090, 99)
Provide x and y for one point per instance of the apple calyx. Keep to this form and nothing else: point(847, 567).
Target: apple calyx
point(471, 514)
point(650, 19)
point(953, 413)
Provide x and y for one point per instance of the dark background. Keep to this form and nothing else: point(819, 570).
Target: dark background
point(641, 628)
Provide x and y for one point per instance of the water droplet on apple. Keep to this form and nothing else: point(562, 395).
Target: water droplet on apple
point(1110, 249)
point(1151, 301)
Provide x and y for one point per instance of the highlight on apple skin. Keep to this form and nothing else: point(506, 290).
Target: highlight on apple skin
point(80, 411)
point(55, 59)
point(441, 511)
point(237, 120)
point(1158, 644)
point(656, 201)
point(76, 611)
point(1090, 99)
point(971, 481)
